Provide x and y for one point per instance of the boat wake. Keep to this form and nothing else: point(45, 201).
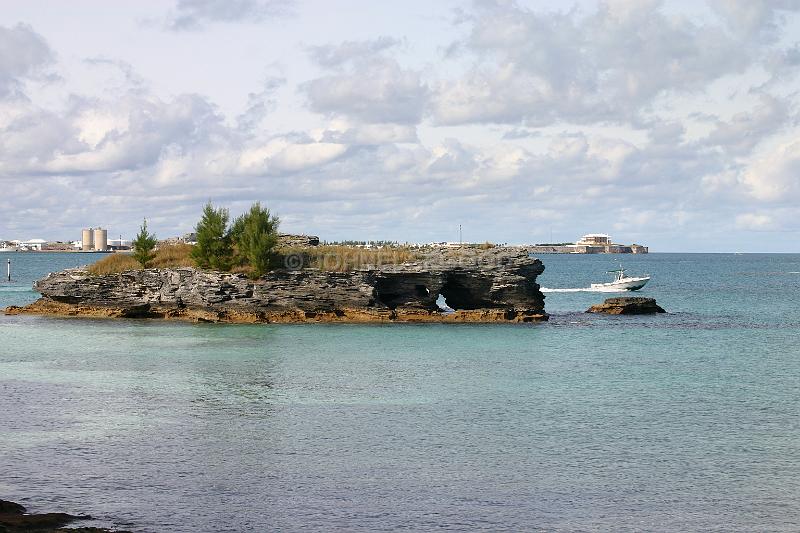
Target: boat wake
point(15, 289)
point(586, 289)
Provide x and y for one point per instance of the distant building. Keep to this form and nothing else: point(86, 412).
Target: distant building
point(33, 245)
point(119, 244)
point(594, 239)
point(94, 240)
point(591, 243)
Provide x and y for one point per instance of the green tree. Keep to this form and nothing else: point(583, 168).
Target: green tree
point(143, 245)
point(255, 234)
point(213, 248)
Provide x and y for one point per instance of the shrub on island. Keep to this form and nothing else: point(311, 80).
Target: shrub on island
point(245, 246)
point(250, 245)
point(143, 245)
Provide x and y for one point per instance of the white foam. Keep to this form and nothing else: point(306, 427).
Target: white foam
point(585, 289)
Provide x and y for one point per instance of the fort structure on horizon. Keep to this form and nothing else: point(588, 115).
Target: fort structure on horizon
point(591, 243)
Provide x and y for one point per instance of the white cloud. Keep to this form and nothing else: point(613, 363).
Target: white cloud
point(540, 68)
point(281, 155)
point(747, 129)
point(754, 17)
point(375, 89)
point(775, 177)
point(599, 112)
point(194, 14)
point(345, 131)
point(337, 55)
point(24, 54)
point(754, 221)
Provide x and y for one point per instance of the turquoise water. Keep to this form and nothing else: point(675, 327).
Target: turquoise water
point(685, 421)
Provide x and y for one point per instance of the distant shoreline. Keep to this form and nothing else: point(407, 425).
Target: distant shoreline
point(64, 252)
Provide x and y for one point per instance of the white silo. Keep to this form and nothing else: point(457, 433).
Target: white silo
point(87, 240)
point(100, 239)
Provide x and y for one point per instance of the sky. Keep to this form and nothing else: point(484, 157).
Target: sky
point(670, 124)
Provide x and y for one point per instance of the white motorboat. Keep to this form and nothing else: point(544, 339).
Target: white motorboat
point(622, 282)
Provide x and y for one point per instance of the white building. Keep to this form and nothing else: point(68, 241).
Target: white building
point(33, 244)
point(119, 244)
point(594, 239)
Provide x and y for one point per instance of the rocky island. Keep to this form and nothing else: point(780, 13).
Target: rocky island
point(480, 284)
point(627, 305)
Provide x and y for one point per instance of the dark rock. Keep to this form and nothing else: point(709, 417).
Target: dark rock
point(487, 285)
point(14, 519)
point(7, 507)
point(627, 305)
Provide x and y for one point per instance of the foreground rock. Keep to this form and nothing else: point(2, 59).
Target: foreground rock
point(14, 518)
point(627, 305)
point(497, 284)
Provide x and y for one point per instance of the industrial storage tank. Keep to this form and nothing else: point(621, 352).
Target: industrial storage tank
point(100, 239)
point(87, 240)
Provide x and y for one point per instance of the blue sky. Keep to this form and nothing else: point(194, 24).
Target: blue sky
point(673, 124)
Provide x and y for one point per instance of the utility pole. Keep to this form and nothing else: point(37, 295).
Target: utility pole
point(460, 240)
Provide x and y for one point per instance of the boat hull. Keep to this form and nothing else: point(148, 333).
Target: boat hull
point(625, 284)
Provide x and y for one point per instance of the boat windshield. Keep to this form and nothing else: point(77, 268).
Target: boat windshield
point(618, 274)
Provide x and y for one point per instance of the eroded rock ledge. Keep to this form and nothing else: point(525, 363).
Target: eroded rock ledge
point(492, 285)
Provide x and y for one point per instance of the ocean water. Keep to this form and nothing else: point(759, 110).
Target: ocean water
point(681, 422)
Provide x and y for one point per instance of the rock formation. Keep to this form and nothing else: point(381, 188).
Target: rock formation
point(627, 305)
point(498, 284)
point(288, 239)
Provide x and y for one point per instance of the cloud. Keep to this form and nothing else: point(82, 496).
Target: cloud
point(775, 177)
point(373, 90)
point(24, 54)
point(195, 14)
point(537, 68)
point(97, 135)
point(520, 133)
point(754, 221)
point(131, 80)
point(283, 155)
point(740, 135)
point(337, 55)
point(260, 104)
point(344, 131)
point(365, 83)
point(759, 18)
point(628, 116)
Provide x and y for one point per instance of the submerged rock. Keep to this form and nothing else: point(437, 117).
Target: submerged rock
point(14, 518)
point(497, 284)
point(627, 305)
